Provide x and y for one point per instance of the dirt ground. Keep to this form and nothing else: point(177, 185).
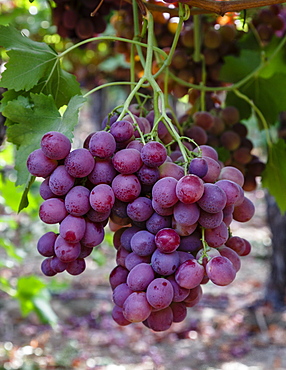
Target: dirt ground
point(230, 329)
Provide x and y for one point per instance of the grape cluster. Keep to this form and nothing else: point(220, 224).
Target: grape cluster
point(221, 128)
point(171, 223)
point(74, 20)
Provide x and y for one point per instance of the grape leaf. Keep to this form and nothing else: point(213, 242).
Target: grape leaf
point(28, 61)
point(274, 175)
point(34, 116)
point(268, 94)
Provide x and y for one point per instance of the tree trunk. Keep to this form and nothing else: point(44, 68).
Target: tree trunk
point(276, 285)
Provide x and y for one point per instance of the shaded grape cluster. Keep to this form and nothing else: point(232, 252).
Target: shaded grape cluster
point(222, 129)
point(171, 222)
point(74, 19)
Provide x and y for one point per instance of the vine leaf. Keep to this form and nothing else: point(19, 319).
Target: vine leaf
point(29, 60)
point(32, 117)
point(274, 175)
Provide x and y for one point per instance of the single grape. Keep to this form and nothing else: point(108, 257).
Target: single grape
point(237, 244)
point(45, 191)
point(167, 240)
point(231, 255)
point(65, 251)
point(102, 145)
point(210, 220)
point(164, 192)
point(233, 174)
point(127, 161)
point(213, 172)
point(46, 244)
point(102, 198)
point(244, 211)
point(198, 166)
point(189, 189)
point(207, 151)
point(186, 214)
point(189, 274)
point(72, 228)
point(122, 131)
point(143, 243)
point(153, 154)
point(61, 181)
point(79, 163)
point(52, 211)
point(159, 293)
point(157, 222)
point(117, 276)
point(103, 172)
point(136, 307)
point(233, 191)
point(191, 243)
point(162, 211)
point(140, 209)
point(134, 259)
point(94, 234)
point(40, 165)
point(77, 200)
point(148, 175)
point(118, 317)
point(213, 200)
point(160, 320)
point(140, 277)
point(126, 187)
point(46, 267)
point(217, 236)
point(55, 145)
point(220, 270)
point(165, 263)
point(179, 310)
point(57, 265)
point(169, 169)
point(120, 293)
point(179, 293)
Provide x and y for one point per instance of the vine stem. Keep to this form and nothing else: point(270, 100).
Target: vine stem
point(259, 114)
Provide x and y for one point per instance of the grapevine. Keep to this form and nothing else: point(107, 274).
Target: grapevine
point(168, 187)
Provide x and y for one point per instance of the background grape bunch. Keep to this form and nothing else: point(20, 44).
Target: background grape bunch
point(170, 216)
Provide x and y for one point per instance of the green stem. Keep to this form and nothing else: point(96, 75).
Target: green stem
point(197, 38)
point(137, 31)
point(259, 114)
point(108, 85)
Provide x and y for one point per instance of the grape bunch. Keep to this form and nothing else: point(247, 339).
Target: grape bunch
point(171, 222)
point(82, 19)
point(221, 128)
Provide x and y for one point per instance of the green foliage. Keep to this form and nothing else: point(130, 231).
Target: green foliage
point(274, 175)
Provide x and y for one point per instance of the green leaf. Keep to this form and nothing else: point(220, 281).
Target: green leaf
point(274, 175)
point(236, 68)
point(24, 202)
point(33, 117)
point(277, 62)
point(29, 60)
point(43, 308)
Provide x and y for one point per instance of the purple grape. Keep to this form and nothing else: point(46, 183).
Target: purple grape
point(118, 276)
point(52, 211)
point(108, 121)
point(164, 192)
point(244, 211)
point(39, 165)
point(94, 234)
point(121, 255)
point(126, 187)
point(65, 251)
point(214, 169)
point(231, 255)
point(160, 320)
point(165, 263)
point(61, 181)
point(103, 172)
point(118, 317)
point(55, 145)
point(57, 265)
point(191, 243)
point(77, 201)
point(213, 199)
point(120, 293)
point(45, 191)
point(198, 166)
point(234, 192)
point(233, 174)
point(79, 163)
point(135, 144)
point(127, 161)
point(167, 240)
point(102, 145)
point(160, 293)
point(186, 214)
point(148, 175)
point(85, 251)
point(127, 235)
point(122, 131)
point(153, 154)
point(140, 277)
point(185, 256)
point(140, 209)
point(237, 244)
point(96, 216)
point(210, 220)
point(179, 310)
point(76, 267)
point(120, 208)
point(136, 307)
point(46, 267)
point(189, 274)
point(46, 244)
point(207, 151)
point(189, 189)
point(143, 243)
point(157, 222)
point(217, 236)
point(162, 211)
point(179, 293)
point(169, 169)
point(220, 270)
point(72, 228)
point(102, 198)
point(134, 259)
